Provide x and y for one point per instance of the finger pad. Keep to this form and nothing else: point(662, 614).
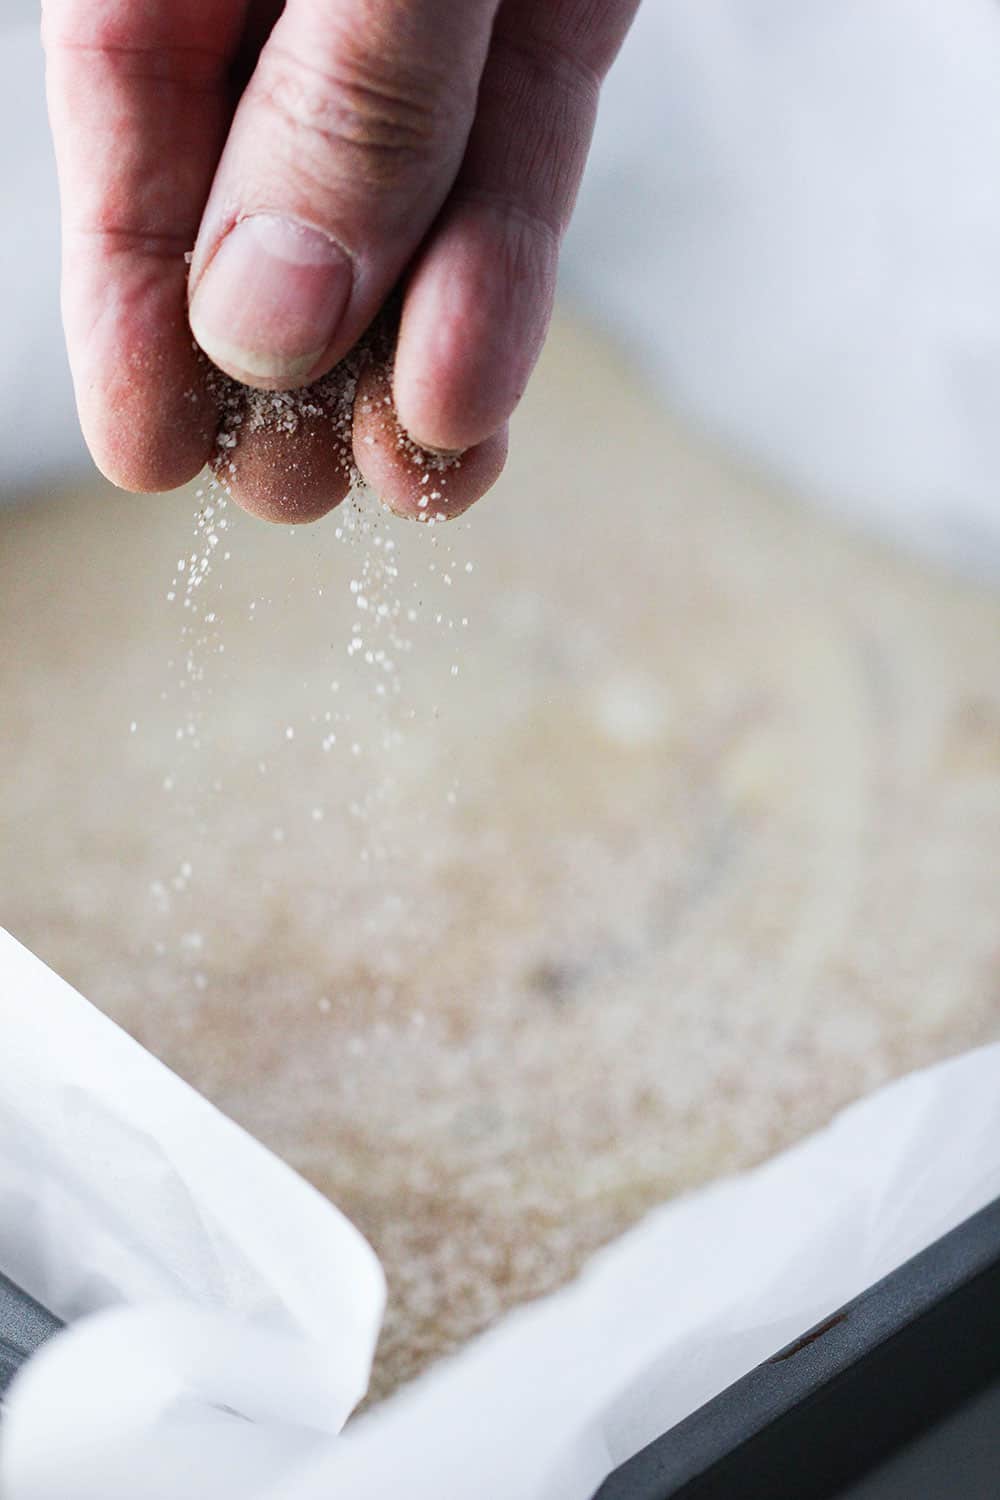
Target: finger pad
point(150, 423)
point(289, 477)
point(409, 480)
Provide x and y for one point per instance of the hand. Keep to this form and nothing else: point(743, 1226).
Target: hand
point(316, 155)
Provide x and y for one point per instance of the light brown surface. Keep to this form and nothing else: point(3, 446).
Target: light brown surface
point(701, 842)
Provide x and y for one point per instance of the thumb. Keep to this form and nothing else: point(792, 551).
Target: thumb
point(342, 151)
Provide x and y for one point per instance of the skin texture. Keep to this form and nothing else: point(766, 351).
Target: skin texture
point(315, 157)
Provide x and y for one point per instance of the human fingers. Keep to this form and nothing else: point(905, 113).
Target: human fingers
point(284, 458)
point(139, 107)
point(479, 299)
point(343, 148)
point(414, 483)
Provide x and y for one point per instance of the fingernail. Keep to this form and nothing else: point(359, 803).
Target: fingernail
point(271, 299)
point(449, 453)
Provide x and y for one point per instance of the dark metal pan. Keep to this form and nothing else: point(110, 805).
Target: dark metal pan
point(894, 1397)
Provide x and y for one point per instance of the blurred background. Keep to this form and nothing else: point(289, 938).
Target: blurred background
point(658, 813)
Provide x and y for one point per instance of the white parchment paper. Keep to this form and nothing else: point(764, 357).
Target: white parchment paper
point(200, 1275)
point(244, 1308)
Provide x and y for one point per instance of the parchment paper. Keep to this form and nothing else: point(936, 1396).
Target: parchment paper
point(197, 1271)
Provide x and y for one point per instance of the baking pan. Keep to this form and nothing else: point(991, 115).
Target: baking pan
point(23, 1327)
point(894, 1397)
